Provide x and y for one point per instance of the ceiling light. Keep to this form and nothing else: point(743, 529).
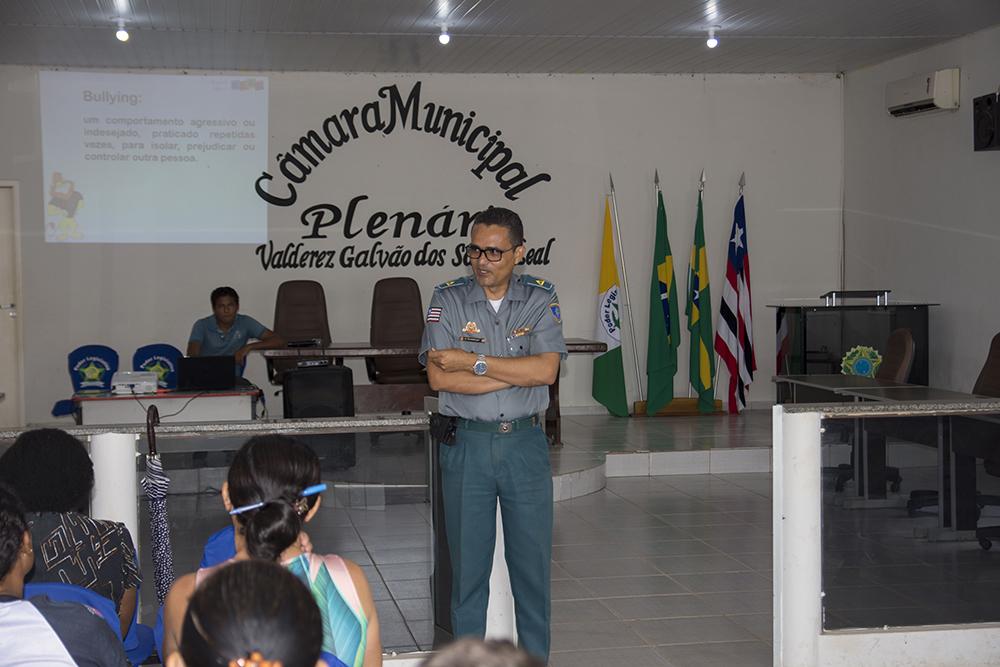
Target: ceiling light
point(444, 37)
point(122, 33)
point(712, 42)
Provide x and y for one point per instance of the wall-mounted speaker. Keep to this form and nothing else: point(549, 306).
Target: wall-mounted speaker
point(986, 123)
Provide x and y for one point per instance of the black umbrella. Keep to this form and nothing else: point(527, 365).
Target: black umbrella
point(155, 483)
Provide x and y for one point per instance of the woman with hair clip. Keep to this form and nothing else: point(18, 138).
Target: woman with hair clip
point(271, 491)
point(250, 614)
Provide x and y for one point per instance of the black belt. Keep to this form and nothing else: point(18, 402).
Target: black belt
point(499, 426)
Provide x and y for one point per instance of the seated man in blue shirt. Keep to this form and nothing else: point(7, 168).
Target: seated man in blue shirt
point(226, 332)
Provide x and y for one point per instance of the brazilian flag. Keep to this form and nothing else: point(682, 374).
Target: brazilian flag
point(699, 314)
point(664, 323)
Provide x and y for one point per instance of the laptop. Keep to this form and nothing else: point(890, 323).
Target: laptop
point(206, 373)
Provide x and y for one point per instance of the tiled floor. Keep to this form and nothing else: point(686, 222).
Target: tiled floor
point(664, 571)
point(876, 572)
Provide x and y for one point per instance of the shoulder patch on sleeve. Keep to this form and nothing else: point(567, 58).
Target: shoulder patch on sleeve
point(555, 310)
point(452, 283)
point(537, 282)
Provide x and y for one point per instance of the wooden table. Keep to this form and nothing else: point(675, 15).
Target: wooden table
point(410, 397)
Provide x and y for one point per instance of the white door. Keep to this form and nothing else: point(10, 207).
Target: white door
point(11, 412)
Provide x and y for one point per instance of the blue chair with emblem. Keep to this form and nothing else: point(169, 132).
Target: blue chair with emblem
point(138, 642)
point(91, 368)
point(159, 358)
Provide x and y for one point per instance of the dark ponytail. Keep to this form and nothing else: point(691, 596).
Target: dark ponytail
point(272, 529)
point(272, 469)
point(251, 606)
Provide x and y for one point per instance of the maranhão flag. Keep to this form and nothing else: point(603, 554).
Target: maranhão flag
point(734, 340)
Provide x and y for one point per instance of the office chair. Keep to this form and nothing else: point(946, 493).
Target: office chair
point(973, 439)
point(299, 315)
point(397, 320)
point(895, 367)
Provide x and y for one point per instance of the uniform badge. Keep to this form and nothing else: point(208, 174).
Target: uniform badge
point(433, 315)
point(554, 307)
point(471, 328)
point(520, 331)
point(472, 339)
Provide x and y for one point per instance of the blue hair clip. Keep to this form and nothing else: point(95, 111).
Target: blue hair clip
point(306, 492)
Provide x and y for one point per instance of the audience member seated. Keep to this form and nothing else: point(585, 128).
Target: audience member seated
point(226, 332)
point(40, 631)
point(53, 475)
point(264, 495)
point(474, 652)
point(250, 613)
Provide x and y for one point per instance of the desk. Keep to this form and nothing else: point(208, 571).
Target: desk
point(869, 469)
point(902, 393)
point(832, 383)
point(956, 471)
point(361, 350)
point(174, 406)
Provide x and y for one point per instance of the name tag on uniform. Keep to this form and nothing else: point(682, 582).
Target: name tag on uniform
point(520, 331)
point(472, 339)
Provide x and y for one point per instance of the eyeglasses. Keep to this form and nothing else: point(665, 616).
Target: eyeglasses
point(492, 254)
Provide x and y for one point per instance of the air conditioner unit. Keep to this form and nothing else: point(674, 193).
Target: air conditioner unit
point(937, 91)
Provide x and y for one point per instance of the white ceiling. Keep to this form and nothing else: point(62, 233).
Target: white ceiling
point(589, 36)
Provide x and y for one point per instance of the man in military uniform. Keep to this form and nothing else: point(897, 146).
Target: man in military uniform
point(492, 345)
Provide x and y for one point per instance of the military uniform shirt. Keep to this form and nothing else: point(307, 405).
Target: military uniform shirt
point(529, 322)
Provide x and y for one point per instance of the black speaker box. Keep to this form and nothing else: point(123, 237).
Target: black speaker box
point(986, 123)
point(319, 392)
point(323, 392)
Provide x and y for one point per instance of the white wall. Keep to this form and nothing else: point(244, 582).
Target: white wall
point(784, 131)
point(921, 205)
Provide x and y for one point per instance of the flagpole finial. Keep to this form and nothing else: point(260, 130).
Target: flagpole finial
point(612, 182)
point(701, 183)
point(656, 177)
point(743, 181)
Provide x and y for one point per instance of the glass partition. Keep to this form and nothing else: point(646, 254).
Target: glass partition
point(908, 502)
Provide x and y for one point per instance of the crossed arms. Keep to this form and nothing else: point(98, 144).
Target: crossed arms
point(451, 370)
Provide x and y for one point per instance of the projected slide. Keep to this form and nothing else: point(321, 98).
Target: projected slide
point(152, 158)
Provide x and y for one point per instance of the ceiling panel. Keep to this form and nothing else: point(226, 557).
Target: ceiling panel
point(578, 36)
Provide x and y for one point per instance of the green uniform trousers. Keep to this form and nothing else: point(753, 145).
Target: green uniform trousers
point(476, 471)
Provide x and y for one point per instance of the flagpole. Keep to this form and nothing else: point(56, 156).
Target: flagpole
point(656, 205)
point(628, 299)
